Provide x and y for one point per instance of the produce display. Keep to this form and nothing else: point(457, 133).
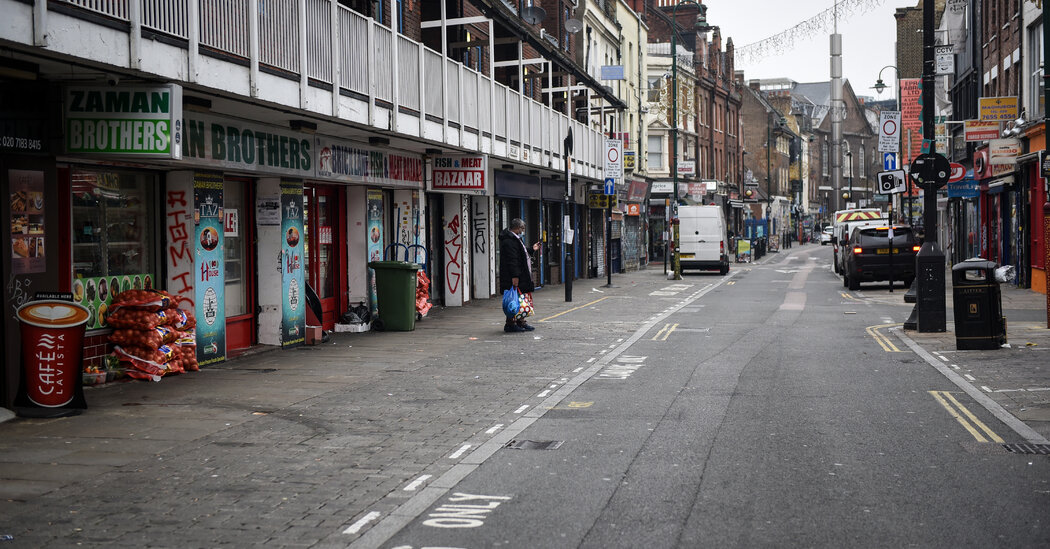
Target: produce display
point(152, 336)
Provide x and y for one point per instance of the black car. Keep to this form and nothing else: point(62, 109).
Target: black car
point(869, 257)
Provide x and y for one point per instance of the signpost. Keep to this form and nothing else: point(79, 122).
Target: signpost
point(889, 161)
point(945, 59)
point(889, 131)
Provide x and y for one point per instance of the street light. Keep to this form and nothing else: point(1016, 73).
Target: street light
point(879, 87)
point(702, 26)
point(849, 163)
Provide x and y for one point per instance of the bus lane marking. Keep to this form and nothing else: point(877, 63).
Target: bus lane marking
point(457, 514)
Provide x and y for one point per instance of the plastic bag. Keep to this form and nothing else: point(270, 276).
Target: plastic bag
point(1004, 274)
point(511, 302)
point(525, 308)
point(147, 300)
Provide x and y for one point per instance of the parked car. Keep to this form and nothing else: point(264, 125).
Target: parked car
point(702, 237)
point(825, 235)
point(870, 257)
point(842, 228)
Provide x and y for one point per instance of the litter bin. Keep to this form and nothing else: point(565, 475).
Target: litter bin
point(979, 322)
point(396, 294)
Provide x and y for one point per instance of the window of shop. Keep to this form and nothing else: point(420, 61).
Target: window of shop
point(235, 248)
point(113, 225)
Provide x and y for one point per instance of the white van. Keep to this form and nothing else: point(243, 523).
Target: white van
point(702, 234)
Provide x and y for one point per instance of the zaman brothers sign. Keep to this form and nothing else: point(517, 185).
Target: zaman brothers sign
point(138, 121)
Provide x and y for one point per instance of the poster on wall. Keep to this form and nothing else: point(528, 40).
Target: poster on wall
point(27, 221)
point(209, 288)
point(293, 283)
point(375, 241)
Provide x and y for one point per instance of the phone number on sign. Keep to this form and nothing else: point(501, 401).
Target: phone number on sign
point(9, 142)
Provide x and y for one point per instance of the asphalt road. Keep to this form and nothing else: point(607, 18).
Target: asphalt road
point(754, 410)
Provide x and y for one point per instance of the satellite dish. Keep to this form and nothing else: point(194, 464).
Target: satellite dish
point(533, 15)
point(573, 25)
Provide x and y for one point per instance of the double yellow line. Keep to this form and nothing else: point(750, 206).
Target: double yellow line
point(958, 411)
point(665, 332)
point(883, 341)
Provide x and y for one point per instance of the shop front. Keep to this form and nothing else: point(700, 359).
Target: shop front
point(459, 188)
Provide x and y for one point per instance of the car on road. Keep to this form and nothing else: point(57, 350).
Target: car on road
point(874, 253)
point(825, 235)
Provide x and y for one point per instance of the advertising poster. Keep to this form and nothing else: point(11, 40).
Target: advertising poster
point(27, 222)
point(96, 294)
point(210, 286)
point(293, 283)
point(375, 241)
point(911, 118)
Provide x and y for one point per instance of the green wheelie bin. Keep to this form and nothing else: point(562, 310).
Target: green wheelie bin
point(396, 294)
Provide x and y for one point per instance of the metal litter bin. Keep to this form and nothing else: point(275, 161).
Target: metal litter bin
point(396, 294)
point(978, 304)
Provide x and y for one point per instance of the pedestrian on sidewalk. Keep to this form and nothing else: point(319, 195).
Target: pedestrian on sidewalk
point(515, 268)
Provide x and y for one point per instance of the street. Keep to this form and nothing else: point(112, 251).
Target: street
point(768, 407)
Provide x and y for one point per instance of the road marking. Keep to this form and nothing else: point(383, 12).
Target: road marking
point(944, 396)
point(357, 526)
point(494, 428)
point(416, 483)
point(847, 296)
point(881, 339)
point(459, 453)
point(730, 283)
point(574, 309)
point(522, 409)
point(969, 377)
point(580, 404)
point(456, 514)
point(592, 359)
point(986, 388)
point(544, 393)
point(665, 332)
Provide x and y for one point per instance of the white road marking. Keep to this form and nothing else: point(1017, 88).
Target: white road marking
point(522, 409)
point(544, 393)
point(592, 359)
point(969, 377)
point(955, 366)
point(578, 370)
point(357, 526)
point(459, 453)
point(494, 428)
point(417, 483)
point(986, 388)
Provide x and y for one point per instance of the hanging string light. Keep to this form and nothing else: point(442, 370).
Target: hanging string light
point(817, 25)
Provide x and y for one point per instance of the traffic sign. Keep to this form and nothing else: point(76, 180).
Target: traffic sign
point(931, 171)
point(613, 159)
point(610, 186)
point(889, 161)
point(889, 131)
point(944, 59)
point(891, 182)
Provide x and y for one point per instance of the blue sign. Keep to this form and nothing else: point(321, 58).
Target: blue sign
point(610, 186)
point(889, 161)
point(967, 188)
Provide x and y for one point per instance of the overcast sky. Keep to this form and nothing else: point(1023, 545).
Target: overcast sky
point(867, 40)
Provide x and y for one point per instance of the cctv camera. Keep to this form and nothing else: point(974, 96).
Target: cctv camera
point(112, 79)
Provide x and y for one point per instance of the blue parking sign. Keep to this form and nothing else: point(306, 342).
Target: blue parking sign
point(889, 162)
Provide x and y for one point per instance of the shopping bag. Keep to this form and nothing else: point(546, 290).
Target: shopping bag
point(511, 302)
point(525, 308)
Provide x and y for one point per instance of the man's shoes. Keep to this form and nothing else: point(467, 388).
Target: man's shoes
point(513, 328)
point(525, 326)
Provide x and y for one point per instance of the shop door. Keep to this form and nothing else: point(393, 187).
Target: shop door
point(325, 272)
point(239, 254)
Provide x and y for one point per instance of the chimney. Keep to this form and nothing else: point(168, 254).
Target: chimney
point(755, 85)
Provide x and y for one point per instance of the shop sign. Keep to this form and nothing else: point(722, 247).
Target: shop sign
point(210, 283)
point(237, 145)
point(26, 205)
point(601, 201)
point(459, 174)
point(686, 167)
point(293, 283)
point(23, 117)
point(374, 207)
point(979, 130)
point(636, 191)
point(139, 121)
point(666, 187)
point(998, 109)
point(966, 188)
point(628, 160)
point(634, 209)
point(231, 225)
point(268, 210)
point(1004, 151)
point(346, 161)
point(697, 189)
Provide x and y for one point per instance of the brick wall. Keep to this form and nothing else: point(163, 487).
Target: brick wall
point(96, 347)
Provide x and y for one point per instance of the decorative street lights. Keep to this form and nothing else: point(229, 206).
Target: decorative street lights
point(702, 26)
point(879, 87)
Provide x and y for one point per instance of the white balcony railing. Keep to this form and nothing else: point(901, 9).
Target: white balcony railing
point(333, 43)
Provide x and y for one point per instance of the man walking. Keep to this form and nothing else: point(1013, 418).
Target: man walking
point(515, 268)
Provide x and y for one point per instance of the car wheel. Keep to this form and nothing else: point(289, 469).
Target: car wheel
point(845, 281)
point(724, 270)
point(853, 284)
point(908, 282)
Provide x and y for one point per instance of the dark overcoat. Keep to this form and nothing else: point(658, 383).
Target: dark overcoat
point(513, 263)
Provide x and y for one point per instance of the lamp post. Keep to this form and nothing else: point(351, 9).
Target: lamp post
point(849, 166)
point(879, 87)
point(1046, 124)
point(701, 25)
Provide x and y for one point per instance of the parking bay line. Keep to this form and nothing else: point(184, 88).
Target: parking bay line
point(409, 511)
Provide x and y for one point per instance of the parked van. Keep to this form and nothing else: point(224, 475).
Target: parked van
point(845, 222)
point(702, 234)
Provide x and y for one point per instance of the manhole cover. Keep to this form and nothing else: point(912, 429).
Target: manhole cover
point(1023, 448)
point(534, 444)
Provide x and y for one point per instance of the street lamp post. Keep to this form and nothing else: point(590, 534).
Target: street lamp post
point(879, 87)
point(1046, 124)
point(701, 25)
